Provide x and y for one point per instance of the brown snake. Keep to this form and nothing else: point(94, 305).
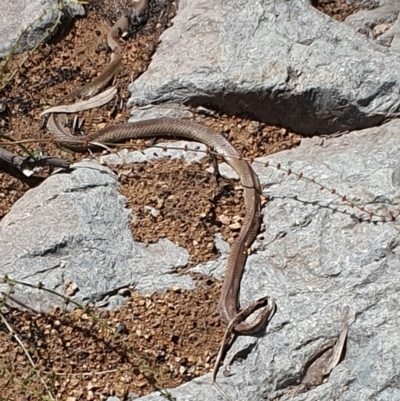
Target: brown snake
point(167, 127)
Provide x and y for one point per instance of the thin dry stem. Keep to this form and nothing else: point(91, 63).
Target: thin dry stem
point(15, 336)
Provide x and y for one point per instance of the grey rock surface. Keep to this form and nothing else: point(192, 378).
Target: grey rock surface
point(172, 110)
point(380, 23)
point(173, 150)
point(24, 24)
point(282, 62)
point(74, 230)
point(325, 268)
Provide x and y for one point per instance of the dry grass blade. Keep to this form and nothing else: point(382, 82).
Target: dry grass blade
point(15, 336)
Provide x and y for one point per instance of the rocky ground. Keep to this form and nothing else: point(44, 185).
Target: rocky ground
point(176, 335)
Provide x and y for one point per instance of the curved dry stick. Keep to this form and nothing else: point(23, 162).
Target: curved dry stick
point(96, 101)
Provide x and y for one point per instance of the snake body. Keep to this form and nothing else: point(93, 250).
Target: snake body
point(166, 127)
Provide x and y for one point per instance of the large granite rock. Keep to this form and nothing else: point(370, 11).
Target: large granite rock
point(282, 62)
point(24, 24)
point(325, 268)
point(73, 232)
